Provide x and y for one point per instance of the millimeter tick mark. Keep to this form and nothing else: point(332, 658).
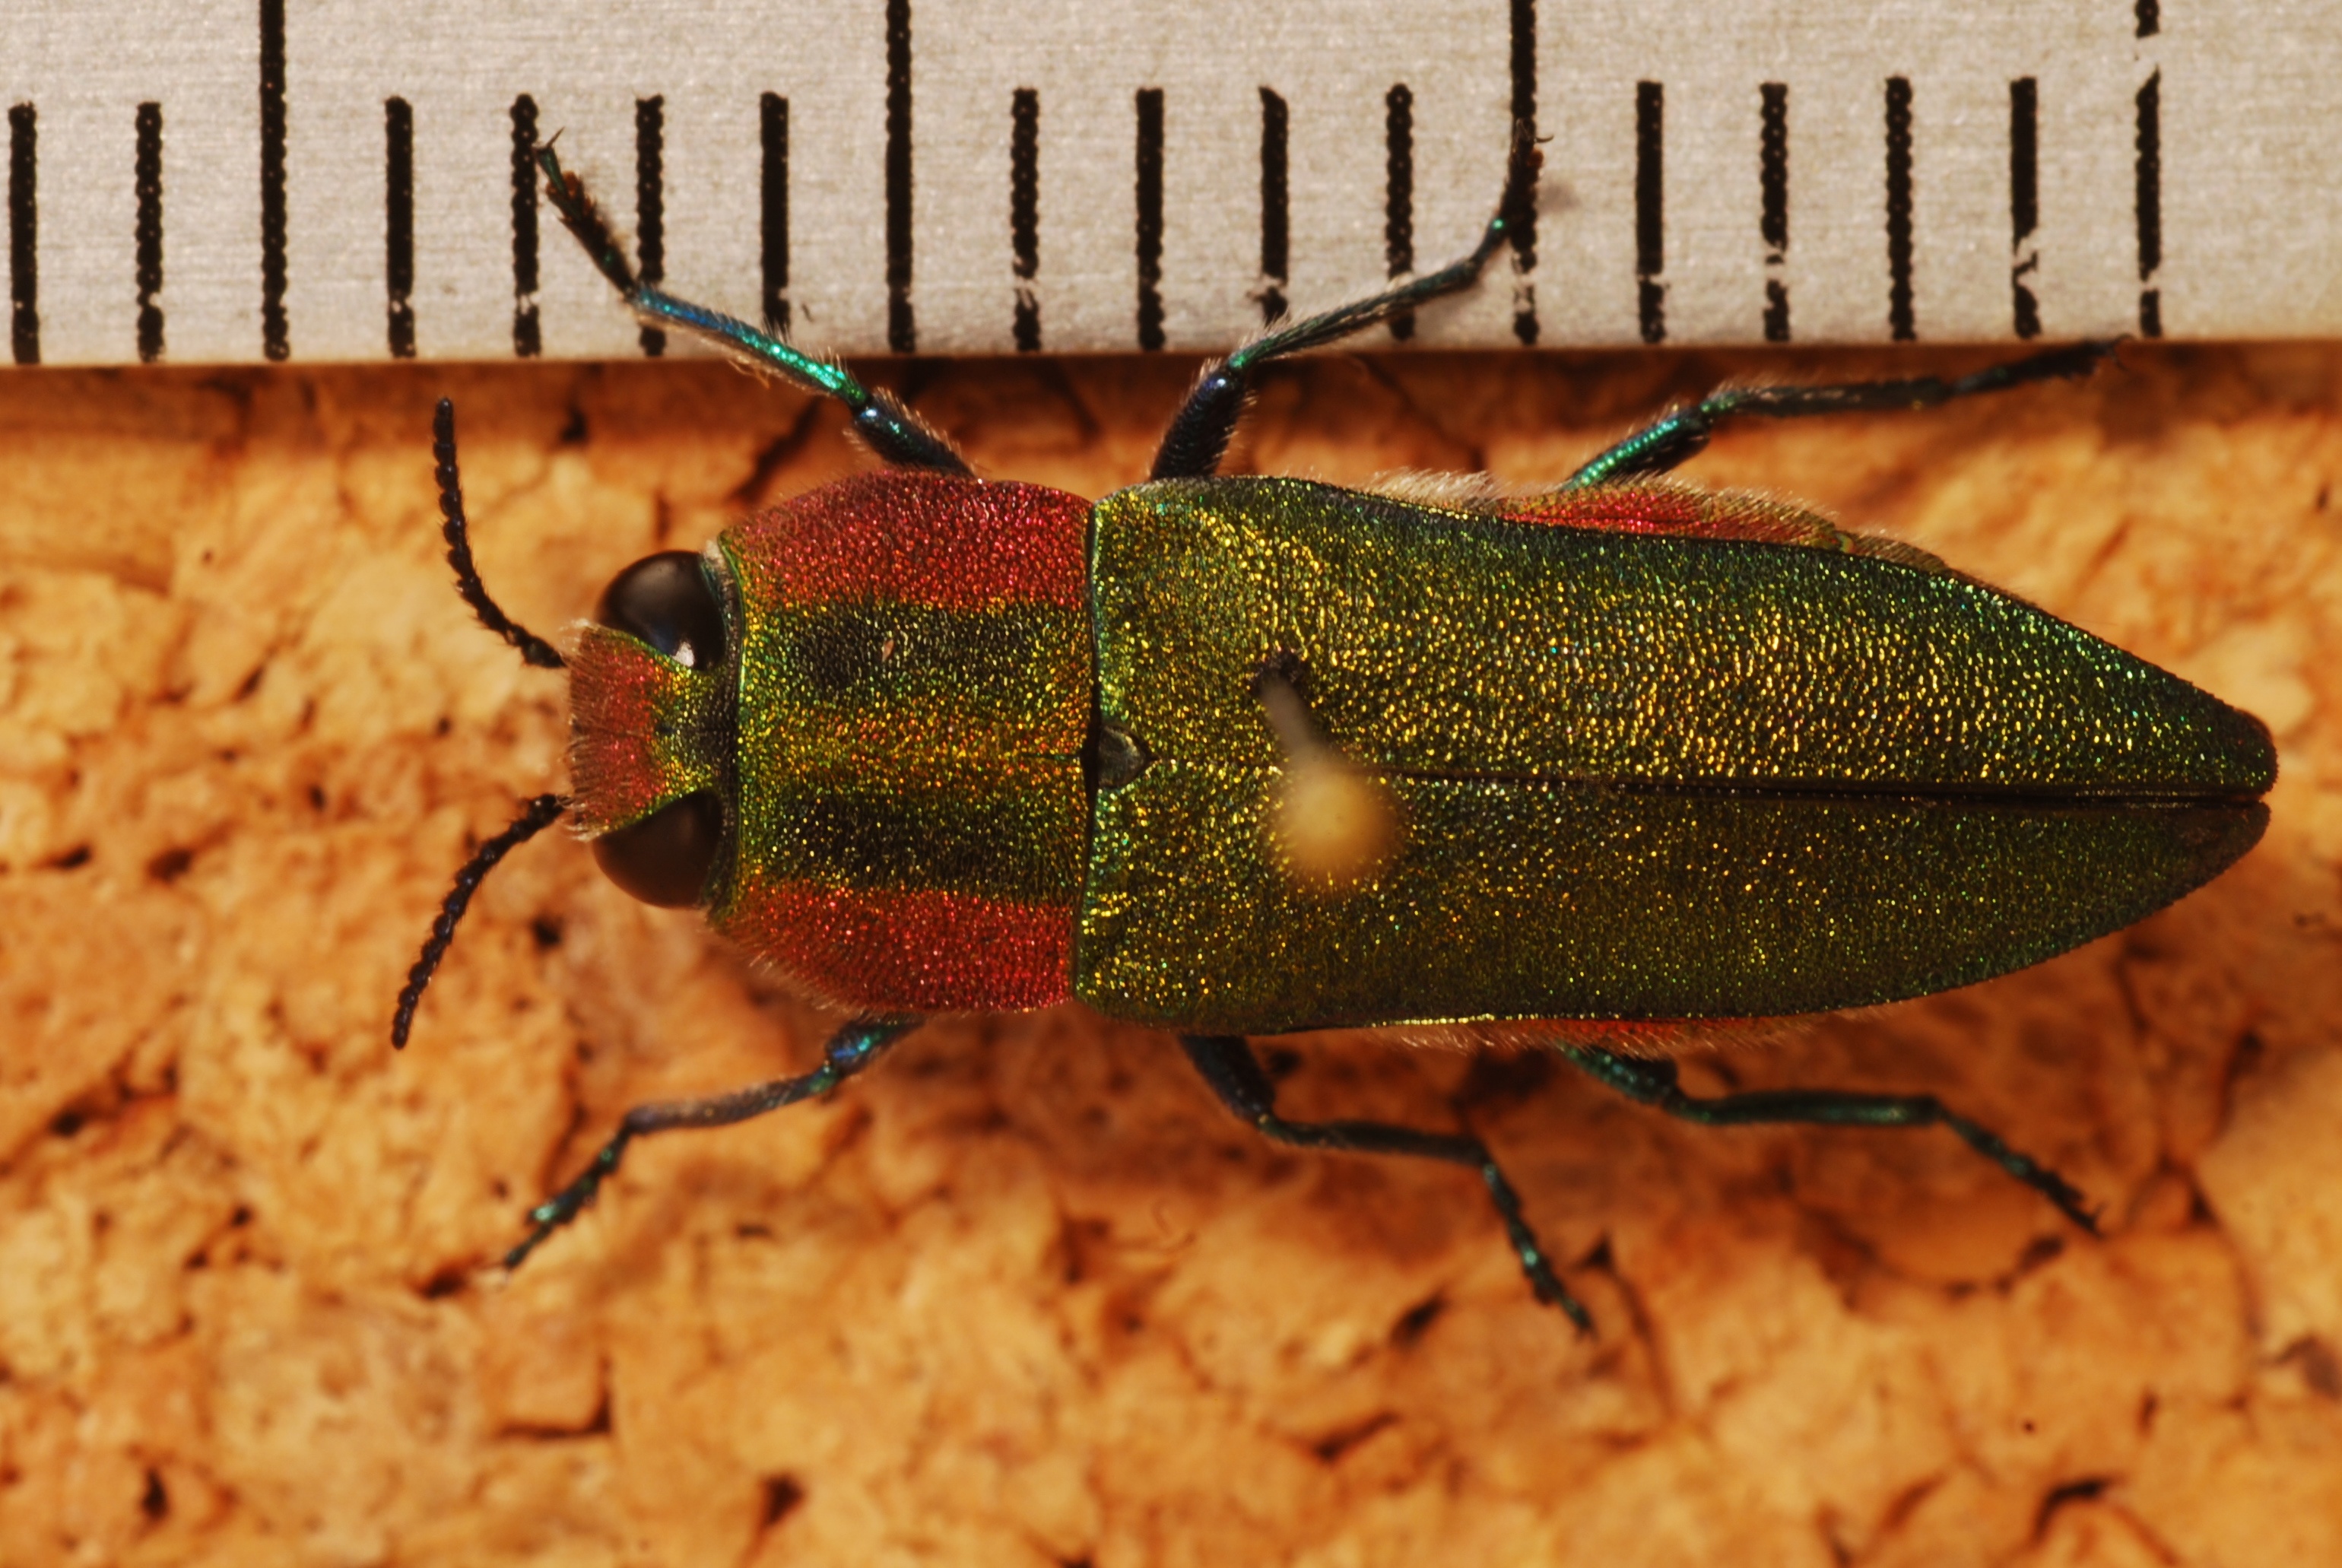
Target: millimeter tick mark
point(1773, 186)
point(1650, 223)
point(527, 341)
point(773, 115)
point(1150, 219)
point(1025, 212)
point(1398, 197)
point(2150, 204)
point(2024, 168)
point(275, 330)
point(650, 205)
point(1524, 63)
point(398, 223)
point(24, 238)
point(147, 183)
point(902, 331)
point(1276, 206)
point(2024, 201)
point(1900, 320)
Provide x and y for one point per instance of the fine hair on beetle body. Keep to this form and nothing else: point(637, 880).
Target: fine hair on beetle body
point(1607, 769)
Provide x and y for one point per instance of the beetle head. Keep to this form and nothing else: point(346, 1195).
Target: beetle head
point(650, 727)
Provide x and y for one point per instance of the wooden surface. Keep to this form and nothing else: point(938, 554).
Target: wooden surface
point(1025, 1295)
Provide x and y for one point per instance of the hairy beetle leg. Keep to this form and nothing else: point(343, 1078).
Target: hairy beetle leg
point(1227, 1063)
point(1653, 1084)
point(1670, 442)
point(849, 1051)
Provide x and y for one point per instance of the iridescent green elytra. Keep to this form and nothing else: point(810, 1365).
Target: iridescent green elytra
point(1237, 756)
point(1639, 777)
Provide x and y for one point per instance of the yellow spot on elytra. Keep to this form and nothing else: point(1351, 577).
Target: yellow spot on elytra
point(1332, 825)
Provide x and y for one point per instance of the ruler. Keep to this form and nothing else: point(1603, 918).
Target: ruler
point(329, 180)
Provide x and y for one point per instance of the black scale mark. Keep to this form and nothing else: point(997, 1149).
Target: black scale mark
point(1275, 199)
point(1650, 224)
point(1398, 198)
point(24, 237)
point(398, 224)
point(2024, 201)
point(1150, 219)
point(1025, 212)
point(1524, 65)
point(275, 330)
point(527, 341)
point(650, 205)
point(773, 114)
point(902, 331)
point(1773, 186)
point(148, 184)
point(1275, 208)
point(2150, 202)
point(1900, 321)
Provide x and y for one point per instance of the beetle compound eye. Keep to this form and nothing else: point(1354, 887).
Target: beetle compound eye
point(666, 858)
point(667, 601)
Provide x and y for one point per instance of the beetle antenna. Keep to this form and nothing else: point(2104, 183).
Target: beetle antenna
point(534, 818)
point(532, 648)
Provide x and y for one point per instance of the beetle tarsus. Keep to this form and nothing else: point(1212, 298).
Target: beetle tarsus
point(849, 1052)
point(895, 433)
point(583, 219)
point(1227, 1063)
point(2063, 1193)
point(1654, 1083)
point(1199, 434)
point(1536, 1263)
point(1670, 442)
point(574, 1199)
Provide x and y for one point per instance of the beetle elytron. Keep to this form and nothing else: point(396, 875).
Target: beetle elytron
point(1237, 756)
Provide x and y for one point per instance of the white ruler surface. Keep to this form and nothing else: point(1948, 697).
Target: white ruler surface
point(221, 180)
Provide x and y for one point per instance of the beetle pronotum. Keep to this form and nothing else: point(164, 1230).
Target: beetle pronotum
point(1607, 764)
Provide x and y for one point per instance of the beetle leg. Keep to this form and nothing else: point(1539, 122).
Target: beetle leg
point(1674, 439)
point(849, 1051)
point(895, 433)
point(1653, 1083)
point(1199, 437)
point(1236, 1075)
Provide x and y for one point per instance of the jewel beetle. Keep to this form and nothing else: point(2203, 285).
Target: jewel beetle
point(1609, 765)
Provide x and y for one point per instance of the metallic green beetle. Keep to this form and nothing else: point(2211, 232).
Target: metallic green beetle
point(1239, 757)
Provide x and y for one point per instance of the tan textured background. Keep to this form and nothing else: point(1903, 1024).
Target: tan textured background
point(1027, 1295)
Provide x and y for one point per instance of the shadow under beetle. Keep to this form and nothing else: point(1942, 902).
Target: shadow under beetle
point(1237, 756)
